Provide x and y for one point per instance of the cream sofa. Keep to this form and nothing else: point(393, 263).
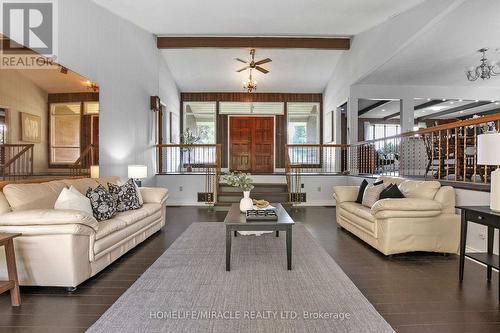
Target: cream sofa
point(66, 247)
point(424, 220)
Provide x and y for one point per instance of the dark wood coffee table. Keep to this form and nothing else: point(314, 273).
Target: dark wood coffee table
point(236, 221)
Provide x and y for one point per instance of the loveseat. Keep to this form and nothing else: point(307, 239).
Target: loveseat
point(66, 247)
point(424, 220)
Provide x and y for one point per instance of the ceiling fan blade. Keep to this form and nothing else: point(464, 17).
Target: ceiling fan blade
point(263, 70)
point(241, 70)
point(263, 61)
point(243, 61)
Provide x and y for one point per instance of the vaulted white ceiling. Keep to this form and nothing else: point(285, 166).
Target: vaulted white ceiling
point(257, 17)
point(298, 70)
point(440, 55)
point(292, 70)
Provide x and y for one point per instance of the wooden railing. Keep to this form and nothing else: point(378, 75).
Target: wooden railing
point(303, 159)
point(88, 157)
point(445, 152)
point(204, 159)
point(16, 161)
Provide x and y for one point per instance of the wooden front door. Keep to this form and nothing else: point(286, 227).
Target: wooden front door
point(251, 144)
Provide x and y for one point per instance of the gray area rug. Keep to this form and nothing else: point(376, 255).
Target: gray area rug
point(188, 290)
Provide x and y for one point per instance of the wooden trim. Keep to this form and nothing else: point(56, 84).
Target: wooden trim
point(37, 180)
point(455, 124)
point(253, 97)
point(329, 43)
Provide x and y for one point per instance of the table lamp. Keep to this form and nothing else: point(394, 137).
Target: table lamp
point(488, 154)
point(94, 171)
point(137, 172)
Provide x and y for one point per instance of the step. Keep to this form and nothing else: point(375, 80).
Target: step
point(234, 197)
point(261, 188)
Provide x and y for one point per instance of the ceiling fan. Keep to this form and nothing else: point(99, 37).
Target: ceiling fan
point(254, 64)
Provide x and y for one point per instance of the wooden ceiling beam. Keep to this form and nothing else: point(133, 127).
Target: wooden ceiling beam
point(418, 107)
point(178, 42)
point(373, 106)
point(453, 110)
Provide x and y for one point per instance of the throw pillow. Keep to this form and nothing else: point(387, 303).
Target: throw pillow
point(72, 199)
point(125, 196)
point(361, 191)
point(372, 194)
point(102, 202)
point(391, 192)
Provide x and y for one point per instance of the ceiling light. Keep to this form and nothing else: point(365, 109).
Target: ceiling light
point(428, 99)
point(485, 70)
point(250, 85)
point(444, 99)
point(92, 86)
point(462, 111)
point(460, 100)
point(452, 102)
point(493, 101)
point(476, 100)
point(383, 110)
point(497, 103)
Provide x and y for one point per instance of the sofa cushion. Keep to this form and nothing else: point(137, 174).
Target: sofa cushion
point(419, 189)
point(108, 227)
point(361, 191)
point(359, 210)
point(154, 194)
point(114, 238)
point(125, 196)
point(72, 199)
point(102, 203)
point(4, 204)
point(372, 194)
point(33, 196)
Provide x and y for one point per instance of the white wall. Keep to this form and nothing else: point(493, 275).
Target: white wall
point(124, 60)
point(19, 94)
point(372, 48)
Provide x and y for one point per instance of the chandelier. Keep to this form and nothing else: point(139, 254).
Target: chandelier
point(484, 71)
point(250, 85)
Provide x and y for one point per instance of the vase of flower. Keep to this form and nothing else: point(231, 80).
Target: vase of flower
point(246, 203)
point(244, 182)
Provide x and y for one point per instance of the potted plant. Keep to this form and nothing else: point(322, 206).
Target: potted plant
point(242, 181)
point(188, 138)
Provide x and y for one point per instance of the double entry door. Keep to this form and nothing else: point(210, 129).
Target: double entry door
point(251, 144)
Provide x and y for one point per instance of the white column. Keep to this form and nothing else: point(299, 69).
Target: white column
point(352, 120)
point(407, 118)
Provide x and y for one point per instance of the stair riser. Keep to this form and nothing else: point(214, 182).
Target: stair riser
point(280, 189)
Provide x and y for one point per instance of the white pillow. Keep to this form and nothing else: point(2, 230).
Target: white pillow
point(72, 199)
point(372, 195)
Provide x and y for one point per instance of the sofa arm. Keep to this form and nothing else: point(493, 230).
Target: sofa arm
point(407, 207)
point(48, 217)
point(154, 194)
point(345, 193)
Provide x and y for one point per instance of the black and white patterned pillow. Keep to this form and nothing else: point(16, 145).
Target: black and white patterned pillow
point(102, 203)
point(125, 196)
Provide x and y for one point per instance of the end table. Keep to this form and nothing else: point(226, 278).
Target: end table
point(7, 240)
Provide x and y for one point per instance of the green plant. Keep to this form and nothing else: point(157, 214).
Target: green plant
point(238, 179)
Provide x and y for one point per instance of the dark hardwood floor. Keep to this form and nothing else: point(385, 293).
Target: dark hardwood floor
point(414, 293)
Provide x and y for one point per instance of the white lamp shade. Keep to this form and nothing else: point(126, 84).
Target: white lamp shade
point(488, 149)
point(137, 171)
point(94, 171)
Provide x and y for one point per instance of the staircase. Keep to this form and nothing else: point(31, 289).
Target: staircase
point(272, 192)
